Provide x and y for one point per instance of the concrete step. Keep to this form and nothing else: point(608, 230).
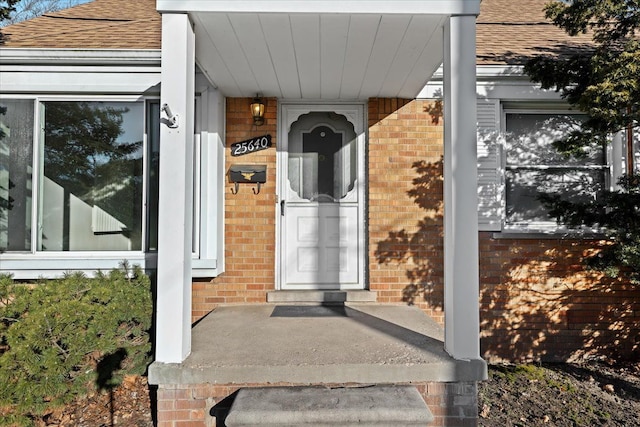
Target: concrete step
point(383, 405)
point(321, 296)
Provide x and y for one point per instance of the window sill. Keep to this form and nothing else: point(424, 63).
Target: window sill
point(55, 264)
point(550, 235)
point(51, 265)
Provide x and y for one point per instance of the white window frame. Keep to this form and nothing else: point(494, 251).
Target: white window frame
point(50, 264)
point(209, 174)
point(544, 227)
point(635, 141)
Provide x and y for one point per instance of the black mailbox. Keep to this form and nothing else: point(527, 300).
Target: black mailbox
point(247, 174)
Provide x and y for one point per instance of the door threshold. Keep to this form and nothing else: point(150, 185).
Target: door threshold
point(319, 296)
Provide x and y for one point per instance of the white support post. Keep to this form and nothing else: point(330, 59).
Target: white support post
point(461, 270)
point(175, 217)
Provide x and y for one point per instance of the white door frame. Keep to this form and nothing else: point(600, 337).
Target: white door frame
point(288, 113)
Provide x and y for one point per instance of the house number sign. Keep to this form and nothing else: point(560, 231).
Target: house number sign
point(251, 145)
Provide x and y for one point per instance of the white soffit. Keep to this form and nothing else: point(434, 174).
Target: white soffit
point(318, 56)
point(319, 49)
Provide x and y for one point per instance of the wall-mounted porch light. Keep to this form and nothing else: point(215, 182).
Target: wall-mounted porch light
point(257, 111)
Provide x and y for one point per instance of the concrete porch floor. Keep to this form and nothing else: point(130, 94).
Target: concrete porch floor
point(317, 344)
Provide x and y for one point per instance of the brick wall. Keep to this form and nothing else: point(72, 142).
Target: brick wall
point(249, 219)
point(206, 405)
point(538, 302)
point(405, 203)
point(405, 209)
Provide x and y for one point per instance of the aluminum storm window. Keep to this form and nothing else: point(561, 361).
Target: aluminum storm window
point(16, 152)
point(534, 167)
point(79, 182)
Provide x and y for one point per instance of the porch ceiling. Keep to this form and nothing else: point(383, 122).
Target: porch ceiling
point(319, 49)
point(314, 56)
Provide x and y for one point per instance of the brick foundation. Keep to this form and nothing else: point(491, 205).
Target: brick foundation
point(205, 405)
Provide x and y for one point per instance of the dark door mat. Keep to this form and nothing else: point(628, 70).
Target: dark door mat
point(327, 310)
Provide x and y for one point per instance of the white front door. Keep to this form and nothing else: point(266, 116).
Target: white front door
point(321, 192)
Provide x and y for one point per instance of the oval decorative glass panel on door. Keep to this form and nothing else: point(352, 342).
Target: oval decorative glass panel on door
point(322, 163)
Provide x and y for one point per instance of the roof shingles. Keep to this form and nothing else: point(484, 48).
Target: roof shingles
point(508, 31)
point(100, 24)
point(512, 31)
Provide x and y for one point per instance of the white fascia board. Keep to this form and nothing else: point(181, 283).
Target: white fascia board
point(114, 82)
point(515, 90)
point(47, 68)
point(80, 56)
point(489, 71)
point(79, 70)
point(510, 82)
point(497, 71)
point(496, 81)
point(429, 7)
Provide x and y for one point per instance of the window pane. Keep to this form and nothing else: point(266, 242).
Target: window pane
point(322, 157)
point(636, 149)
point(530, 140)
point(525, 186)
point(92, 176)
point(535, 167)
point(16, 153)
point(153, 175)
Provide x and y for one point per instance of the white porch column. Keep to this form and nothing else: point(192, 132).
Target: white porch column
point(461, 270)
point(173, 323)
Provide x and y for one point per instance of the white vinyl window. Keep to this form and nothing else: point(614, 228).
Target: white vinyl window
point(532, 166)
point(517, 163)
point(77, 176)
point(91, 176)
point(16, 169)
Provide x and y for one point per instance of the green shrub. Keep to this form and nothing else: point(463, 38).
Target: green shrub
point(617, 214)
point(61, 338)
